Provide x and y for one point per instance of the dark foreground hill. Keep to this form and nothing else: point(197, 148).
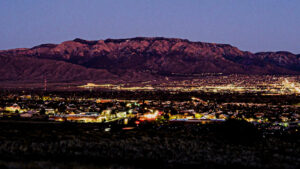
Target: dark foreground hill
point(79, 145)
point(137, 58)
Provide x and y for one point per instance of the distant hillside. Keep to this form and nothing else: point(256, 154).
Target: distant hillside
point(138, 58)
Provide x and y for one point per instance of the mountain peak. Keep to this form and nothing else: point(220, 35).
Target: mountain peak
point(87, 42)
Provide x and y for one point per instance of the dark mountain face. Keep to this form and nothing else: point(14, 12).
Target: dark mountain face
point(32, 69)
point(158, 56)
point(282, 59)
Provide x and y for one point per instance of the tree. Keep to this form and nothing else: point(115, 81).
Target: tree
point(238, 131)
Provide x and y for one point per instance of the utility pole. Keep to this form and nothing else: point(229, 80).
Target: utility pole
point(45, 83)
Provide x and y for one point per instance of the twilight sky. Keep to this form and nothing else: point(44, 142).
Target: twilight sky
point(252, 25)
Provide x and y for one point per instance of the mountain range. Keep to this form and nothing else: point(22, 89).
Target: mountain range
point(139, 58)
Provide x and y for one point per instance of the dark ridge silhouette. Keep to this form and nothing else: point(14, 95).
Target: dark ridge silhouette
point(85, 41)
point(48, 45)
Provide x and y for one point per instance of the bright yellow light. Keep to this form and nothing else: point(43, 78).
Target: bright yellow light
point(150, 116)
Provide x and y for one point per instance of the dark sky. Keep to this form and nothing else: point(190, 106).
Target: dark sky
point(252, 25)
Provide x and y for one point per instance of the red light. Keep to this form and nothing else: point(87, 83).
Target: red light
point(128, 128)
point(137, 122)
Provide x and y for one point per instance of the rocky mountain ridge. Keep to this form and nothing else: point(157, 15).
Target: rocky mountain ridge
point(139, 57)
